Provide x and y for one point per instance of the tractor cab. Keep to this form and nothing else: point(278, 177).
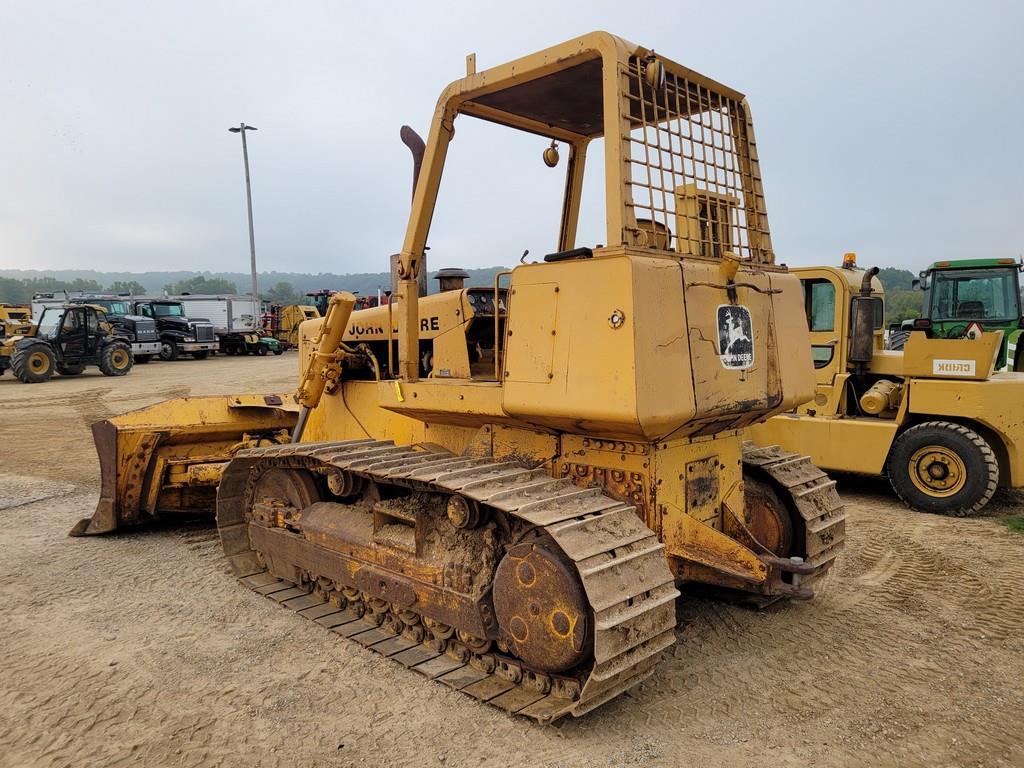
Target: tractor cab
point(966, 292)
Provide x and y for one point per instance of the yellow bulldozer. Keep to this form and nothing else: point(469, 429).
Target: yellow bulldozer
point(501, 487)
point(15, 319)
point(935, 418)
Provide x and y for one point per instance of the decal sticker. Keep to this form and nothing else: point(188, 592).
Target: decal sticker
point(953, 367)
point(735, 336)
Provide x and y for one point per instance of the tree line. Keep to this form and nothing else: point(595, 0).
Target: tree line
point(902, 300)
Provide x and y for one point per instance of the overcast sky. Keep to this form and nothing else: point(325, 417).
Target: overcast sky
point(892, 129)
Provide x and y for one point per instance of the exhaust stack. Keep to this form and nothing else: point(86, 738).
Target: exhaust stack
point(417, 147)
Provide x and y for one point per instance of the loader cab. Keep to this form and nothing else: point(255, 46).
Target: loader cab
point(828, 295)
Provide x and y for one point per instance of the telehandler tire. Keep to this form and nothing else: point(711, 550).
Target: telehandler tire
point(116, 359)
point(70, 370)
point(33, 364)
point(944, 468)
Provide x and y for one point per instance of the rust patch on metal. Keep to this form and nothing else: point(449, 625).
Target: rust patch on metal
point(620, 484)
point(702, 488)
point(540, 605)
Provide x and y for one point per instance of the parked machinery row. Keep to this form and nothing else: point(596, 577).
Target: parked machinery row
point(170, 327)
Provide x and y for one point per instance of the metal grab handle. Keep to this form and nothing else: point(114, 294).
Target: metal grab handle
point(726, 287)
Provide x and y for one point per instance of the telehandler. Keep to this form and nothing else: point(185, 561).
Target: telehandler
point(66, 340)
point(511, 513)
point(935, 417)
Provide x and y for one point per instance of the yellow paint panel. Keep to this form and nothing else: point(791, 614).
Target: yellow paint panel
point(844, 445)
point(951, 358)
point(530, 341)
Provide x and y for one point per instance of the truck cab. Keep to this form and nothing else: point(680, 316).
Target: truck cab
point(178, 333)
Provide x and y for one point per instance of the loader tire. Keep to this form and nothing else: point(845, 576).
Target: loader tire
point(116, 359)
point(944, 468)
point(169, 351)
point(33, 364)
point(70, 370)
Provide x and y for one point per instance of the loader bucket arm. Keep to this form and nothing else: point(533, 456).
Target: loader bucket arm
point(166, 459)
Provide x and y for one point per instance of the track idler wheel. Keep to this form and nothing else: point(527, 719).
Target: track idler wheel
point(542, 612)
point(768, 518)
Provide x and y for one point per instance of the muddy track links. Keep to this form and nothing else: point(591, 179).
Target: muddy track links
point(619, 561)
point(812, 494)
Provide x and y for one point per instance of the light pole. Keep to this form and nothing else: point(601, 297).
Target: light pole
point(242, 128)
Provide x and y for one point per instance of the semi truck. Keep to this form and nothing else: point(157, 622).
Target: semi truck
point(140, 332)
point(178, 333)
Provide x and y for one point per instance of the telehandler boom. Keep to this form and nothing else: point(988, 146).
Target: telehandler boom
point(501, 487)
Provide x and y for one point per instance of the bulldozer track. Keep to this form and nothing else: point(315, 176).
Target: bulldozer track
point(812, 495)
point(619, 561)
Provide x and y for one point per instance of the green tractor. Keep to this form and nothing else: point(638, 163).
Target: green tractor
point(960, 293)
point(66, 340)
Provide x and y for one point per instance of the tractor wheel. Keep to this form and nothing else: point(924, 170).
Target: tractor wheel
point(201, 354)
point(33, 364)
point(116, 359)
point(943, 467)
point(168, 351)
point(143, 359)
point(261, 349)
point(898, 340)
point(69, 370)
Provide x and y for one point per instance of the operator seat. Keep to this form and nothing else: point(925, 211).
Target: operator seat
point(968, 309)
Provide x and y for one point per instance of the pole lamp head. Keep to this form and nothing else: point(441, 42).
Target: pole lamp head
point(242, 127)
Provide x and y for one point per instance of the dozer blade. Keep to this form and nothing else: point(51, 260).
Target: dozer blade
point(167, 459)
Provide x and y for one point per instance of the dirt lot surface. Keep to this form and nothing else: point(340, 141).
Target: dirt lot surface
point(141, 649)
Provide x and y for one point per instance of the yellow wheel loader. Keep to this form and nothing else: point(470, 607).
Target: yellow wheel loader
point(935, 417)
point(284, 320)
point(501, 487)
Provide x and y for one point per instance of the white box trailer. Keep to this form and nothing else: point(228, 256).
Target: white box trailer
point(229, 314)
point(237, 322)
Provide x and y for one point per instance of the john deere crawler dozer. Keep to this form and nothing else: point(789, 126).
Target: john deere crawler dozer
point(500, 487)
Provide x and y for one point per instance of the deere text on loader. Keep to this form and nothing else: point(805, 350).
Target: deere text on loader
point(510, 514)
